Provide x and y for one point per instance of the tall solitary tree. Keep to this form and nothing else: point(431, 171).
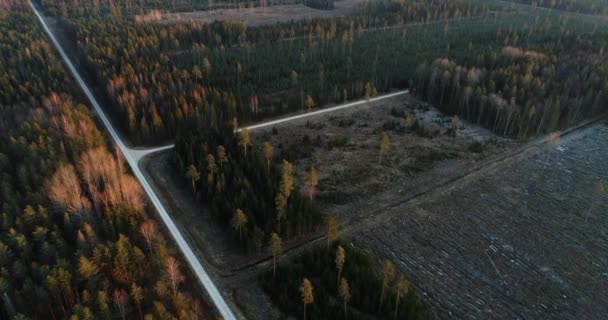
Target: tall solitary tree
point(340, 260)
point(238, 222)
point(245, 140)
point(310, 103)
point(268, 155)
point(599, 191)
point(332, 230)
point(388, 273)
point(368, 92)
point(276, 247)
point(344, 290)
point(194, 176)
point(287, 181)
point(306, 291)
point(401, 289)
point(312, 183)
point(385, 146)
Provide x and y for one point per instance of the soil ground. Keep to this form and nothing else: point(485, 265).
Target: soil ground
point(526, 241)
point(258, 16)
point(344, 149)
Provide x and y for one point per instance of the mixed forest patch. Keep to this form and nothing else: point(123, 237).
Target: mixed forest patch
point(342, 281)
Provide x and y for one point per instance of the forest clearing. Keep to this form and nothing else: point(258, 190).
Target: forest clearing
point(524, 241)
point(258, 16)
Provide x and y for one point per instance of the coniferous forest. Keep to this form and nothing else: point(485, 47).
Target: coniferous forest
point(77, 239)
point(77, 234)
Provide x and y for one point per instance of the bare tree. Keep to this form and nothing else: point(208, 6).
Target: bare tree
point(173, 275)
point(194, 176)
point(149, 230)
point(401, 289)
point(65, 191)
point(120, 298)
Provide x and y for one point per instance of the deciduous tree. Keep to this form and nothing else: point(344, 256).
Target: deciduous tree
point(340, 260)
point(173, 274)
point(332, 230)
point(194, 176)
point(384, 146)
point(306, 292)
point(388, 273)
point(344, 291)
point(268, 155)
point(238, 222)
point(312, 183)
point(245, 140)
point(149, 230)
point(120, 298)
point(310, 103)
point(276, 247)
point(400, 289)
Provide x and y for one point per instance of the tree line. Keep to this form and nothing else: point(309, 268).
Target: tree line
point(340, 281)
point(77, 241)
point(595, 7)
point(522, 91)
point(154, 75)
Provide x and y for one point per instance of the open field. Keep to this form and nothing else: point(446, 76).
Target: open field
point(513, 244)
point(344, 149)
point(257, 16)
